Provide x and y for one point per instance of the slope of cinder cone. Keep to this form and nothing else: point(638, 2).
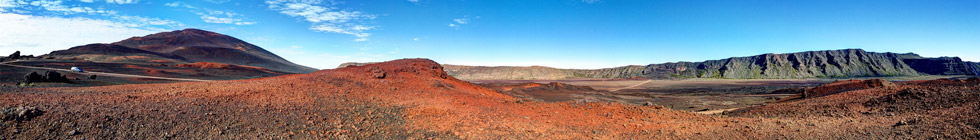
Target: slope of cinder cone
point(195, 45)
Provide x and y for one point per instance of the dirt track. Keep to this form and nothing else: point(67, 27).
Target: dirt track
point(104, 73)
point(632, 86)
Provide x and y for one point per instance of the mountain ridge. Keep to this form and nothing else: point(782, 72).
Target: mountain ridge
point(809, 64)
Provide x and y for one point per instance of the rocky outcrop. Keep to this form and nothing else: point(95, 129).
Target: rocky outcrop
point(844, 86)
point(344, 65)
point(14, 55)
point(20, 113)
point(812, 64)
point(50, 76)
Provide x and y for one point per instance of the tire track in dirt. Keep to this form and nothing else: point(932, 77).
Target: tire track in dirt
point(633, 86)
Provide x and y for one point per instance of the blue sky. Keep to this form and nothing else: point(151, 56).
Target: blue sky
point(557, 33)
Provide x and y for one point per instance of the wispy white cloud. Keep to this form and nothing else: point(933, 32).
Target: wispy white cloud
point(416, 2)
point(122, 1)
point(591, 1)
point(177, 4)
point(224, 17)
point(217, 1)
point(112, 1)
point(42, 34)
point(139, 21)
point(57, 7)
point(457, 22)
point(461, 20)
point(326, 17)
point(214, 16)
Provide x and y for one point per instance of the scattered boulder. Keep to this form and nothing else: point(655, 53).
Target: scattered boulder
point(74, 132)
point(92, 77)
point(52, 76)
point(33, 77)
point(648, 103)
point(377, 72)
point(15, 55)
point(905, 122)
point(21, 113)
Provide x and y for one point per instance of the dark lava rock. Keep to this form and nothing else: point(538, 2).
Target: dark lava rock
point(49, 76)
point(52, 76)
point(21, 113)
point(15, 55)
point(92, 77)
point(74, 132)
point(648, 103)
point(33, 77)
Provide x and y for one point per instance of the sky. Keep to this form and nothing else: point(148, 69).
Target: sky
point(581, 34)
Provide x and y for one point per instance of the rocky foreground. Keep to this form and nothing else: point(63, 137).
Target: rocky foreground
point(415, 98)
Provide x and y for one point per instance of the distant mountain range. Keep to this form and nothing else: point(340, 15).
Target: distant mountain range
point(812, 64)
point(184, 46)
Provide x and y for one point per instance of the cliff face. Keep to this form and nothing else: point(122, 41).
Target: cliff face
point(974, 67)
point(811, 64)
point(508, 72)
point(835, 63)
point(942, 66)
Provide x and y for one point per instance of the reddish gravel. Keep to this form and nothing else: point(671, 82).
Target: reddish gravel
point(415, 99)
point(936, 109)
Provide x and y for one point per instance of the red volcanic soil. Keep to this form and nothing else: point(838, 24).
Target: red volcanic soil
point(842, 86)
point(550, 92)
point(212, 65)
point(943, 108)
point(400, 99)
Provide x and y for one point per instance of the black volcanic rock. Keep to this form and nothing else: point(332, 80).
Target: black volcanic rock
point(15, 55)
point(49, 76)
point(33, 77)
point(194, 45)
point(52, 76)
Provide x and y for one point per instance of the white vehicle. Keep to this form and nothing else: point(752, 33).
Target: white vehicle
point(76, 69)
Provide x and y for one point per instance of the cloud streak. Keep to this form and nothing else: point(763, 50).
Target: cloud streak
point(213, 16)
point(325, 17)
point(57, 7)
point(40, 34)
point(457, 22)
